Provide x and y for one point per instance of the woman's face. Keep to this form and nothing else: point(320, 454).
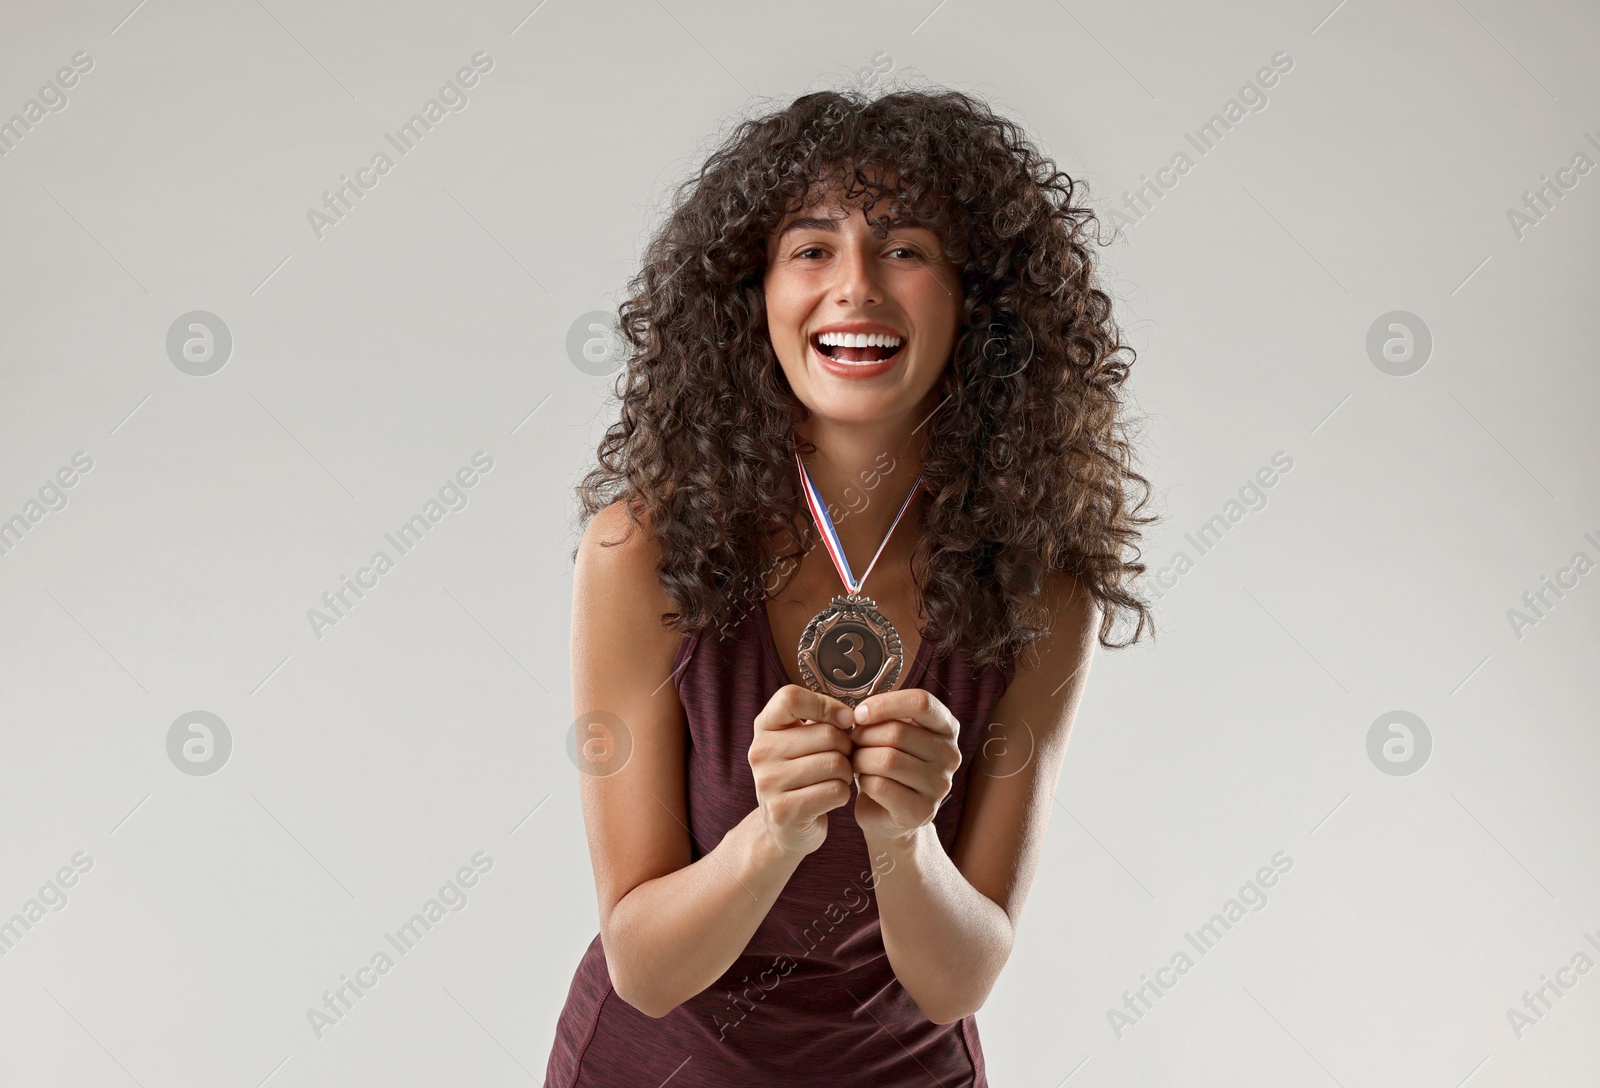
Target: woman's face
point(829, 281)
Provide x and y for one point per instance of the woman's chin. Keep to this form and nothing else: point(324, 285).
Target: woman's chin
point(857, 410)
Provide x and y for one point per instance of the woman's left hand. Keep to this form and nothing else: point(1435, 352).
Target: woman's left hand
point(905, 759)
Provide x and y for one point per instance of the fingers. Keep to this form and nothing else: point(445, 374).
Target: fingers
point(908, 704)
point(792, 704)
point(908, 807)
point(800, 758)
point(801, 740)
point(790, 775)
point(909, 738)
point(932, 778)
point(799, 806)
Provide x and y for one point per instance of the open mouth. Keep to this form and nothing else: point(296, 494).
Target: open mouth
point(863, 348)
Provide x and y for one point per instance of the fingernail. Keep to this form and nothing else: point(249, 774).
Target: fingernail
point(844, 716)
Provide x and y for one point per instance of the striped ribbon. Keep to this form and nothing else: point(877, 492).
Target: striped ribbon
point(830, 535)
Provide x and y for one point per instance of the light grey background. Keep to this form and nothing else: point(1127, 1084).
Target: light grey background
point(368, 365)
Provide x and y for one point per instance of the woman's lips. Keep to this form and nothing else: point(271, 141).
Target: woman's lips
point(844, 367)
point(855, 362)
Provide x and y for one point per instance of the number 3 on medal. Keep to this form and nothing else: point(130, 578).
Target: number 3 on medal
point(853, 653)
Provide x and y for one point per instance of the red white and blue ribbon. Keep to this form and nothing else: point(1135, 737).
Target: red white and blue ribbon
point(830, 535)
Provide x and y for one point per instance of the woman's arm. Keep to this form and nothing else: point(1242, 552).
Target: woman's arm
point(948, 923)
point(670, 927)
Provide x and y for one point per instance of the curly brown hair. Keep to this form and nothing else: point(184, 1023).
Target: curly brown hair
point(1028, 468)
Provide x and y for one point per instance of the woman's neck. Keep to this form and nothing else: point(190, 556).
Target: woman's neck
point(863, 473)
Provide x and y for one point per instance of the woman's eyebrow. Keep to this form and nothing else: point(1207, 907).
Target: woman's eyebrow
point(810, 222)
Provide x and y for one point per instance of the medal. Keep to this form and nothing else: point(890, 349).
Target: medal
point(849, 650)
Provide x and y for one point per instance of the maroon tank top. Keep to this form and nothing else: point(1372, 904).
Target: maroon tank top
point(813, 999)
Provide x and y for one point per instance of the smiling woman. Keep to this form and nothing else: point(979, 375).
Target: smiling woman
point(899, 289)
point(900, 270)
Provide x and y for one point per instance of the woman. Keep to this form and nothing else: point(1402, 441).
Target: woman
point(888, 305)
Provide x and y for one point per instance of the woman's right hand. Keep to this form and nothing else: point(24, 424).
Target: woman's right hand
point(801, 760)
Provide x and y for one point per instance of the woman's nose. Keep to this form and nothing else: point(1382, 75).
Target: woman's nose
point(857, 283)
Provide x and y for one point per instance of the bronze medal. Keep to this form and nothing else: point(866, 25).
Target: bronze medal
point(849, 650)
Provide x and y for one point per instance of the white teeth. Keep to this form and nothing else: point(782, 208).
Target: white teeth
point(858, 340)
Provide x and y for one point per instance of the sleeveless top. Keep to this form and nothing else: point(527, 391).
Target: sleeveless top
point(813, 999)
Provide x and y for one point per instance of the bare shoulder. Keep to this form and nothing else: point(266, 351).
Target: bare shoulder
point(1074, 619)
point(616, 579)
point(613, 538)
point(1051, 670)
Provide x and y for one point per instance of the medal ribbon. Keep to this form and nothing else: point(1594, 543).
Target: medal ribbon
point(830, 535)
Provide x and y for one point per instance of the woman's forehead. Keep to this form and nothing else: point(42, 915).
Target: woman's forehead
point(824, 211)
point(832, 183)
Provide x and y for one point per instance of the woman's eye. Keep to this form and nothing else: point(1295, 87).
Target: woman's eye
point(815, 252)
